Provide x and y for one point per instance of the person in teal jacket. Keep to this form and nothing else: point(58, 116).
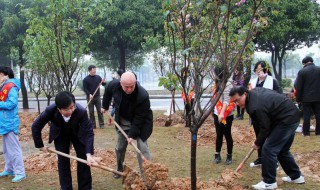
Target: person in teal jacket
point(9, 125)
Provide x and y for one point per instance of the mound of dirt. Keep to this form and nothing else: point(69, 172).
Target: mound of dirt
point(242, 133)
point(309, 164)
point(46, 162)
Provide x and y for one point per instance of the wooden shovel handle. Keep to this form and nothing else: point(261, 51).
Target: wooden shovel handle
point(93, 95)
point(126, 136)
point(85, 162)
point(244, 160)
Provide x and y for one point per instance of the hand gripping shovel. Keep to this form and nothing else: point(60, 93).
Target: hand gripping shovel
point(85, 162)
point(93, 94)
point(126, 136)
point(244, 160)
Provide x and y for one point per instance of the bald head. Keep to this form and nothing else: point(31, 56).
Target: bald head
point(128, 82)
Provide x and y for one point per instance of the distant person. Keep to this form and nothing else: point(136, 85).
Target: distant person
point(238, 80)
point(91, 84)
point(69, 123)
point(265, 80)
point(133, 114)
point(9, 126)
point(278, 118)
point(308, 93)
point(223, 118)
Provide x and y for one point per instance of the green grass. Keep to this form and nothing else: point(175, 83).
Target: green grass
point(170, 151)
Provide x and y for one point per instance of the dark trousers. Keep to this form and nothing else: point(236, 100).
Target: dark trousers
point(277, 148)
point(95, 102)
point(310, 108)
point(223, 130)
point(62, 144)
point(256, 131)
point(240, 111)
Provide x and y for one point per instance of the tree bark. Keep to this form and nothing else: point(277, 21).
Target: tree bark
point(194, 160)
point(122, 57)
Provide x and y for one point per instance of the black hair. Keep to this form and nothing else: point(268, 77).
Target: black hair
point(264, 67)
point(7, 71)
point(120, 72)
point(91, 67)
point(64, 99)
point(218, 70)
point(240, 90)
point(307, 59)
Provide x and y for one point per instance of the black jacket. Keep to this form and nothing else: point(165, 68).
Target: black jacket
point(269, 109)
point(81, 126)
point(142, 117)
point(308, 84)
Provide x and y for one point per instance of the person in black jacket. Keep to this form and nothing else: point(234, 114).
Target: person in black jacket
point(69, 123)
point(277, 118)
point(308, 93)
point(132, 113)
point(91, 87)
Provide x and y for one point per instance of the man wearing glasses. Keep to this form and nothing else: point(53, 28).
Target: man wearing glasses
point(278, 118)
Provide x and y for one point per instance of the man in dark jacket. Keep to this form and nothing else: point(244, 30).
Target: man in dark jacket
point(278, 118)
point(308, 93)
point(91, 86)
point(69, 124)
point(132, 113)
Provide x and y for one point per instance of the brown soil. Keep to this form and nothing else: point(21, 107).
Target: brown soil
point(242, 134)
point(156, 175)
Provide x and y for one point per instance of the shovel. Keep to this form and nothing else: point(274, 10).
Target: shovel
point(93, 94)
point(85, 162)
point(126, 136)
point(244, 160)
point(169, 120)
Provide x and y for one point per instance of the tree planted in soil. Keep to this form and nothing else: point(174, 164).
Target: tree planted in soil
point(201, 35)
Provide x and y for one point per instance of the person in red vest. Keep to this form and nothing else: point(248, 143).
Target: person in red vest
point(223, 118)
point(9, 125)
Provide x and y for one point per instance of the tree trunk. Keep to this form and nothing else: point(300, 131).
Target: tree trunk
point(194, 160)
point(122, 57)
point(25, 103)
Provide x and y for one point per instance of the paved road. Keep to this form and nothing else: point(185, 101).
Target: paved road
point(161, 102)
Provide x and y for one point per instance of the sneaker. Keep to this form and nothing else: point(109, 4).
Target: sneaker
point(116, 176)
point(299, 180)
point(256, 163)
point(18, 178)
point(5, 174)
point(101, 126)
point(262, 185)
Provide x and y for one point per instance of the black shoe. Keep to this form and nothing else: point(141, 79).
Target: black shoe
point(217, 158)
point(101, 126)
point(256, 163)
point(229, 159)
point(116, 176)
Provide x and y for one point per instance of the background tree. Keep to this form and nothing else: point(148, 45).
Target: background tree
point(202, 35)
point(292, 24)
point(58, 35)
point(126, 24)
point(12, 34)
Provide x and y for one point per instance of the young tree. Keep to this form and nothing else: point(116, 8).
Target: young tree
point(292, 24)
point(203, 34)
point(58, 35)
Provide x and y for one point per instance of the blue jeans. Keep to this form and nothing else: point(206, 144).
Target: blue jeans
point(277, 148)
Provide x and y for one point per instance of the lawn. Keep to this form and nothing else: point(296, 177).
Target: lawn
point(170, 146)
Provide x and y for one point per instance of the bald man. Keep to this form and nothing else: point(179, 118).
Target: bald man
point(133, 114)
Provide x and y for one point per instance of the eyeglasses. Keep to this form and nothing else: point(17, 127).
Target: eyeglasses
point(236, 100)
